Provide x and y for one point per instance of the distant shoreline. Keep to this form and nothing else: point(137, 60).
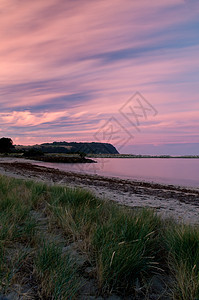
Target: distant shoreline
point(139, 156)
point(75, 156)
point(62, 159)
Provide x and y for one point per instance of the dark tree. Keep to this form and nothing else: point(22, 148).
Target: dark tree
point(33, 153)
point(6, 145)
point(82, 154)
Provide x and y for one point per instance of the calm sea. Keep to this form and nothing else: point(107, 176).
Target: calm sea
point(176, 171)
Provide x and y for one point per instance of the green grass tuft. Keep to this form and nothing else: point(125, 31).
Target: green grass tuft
point(126, 248)
point(182, 242)
point(57, 273)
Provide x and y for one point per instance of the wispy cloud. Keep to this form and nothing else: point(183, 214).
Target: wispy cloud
point(68, 66)
point(26, 118)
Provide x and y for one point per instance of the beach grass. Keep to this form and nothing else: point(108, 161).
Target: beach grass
point(182, 244)
point(124, 247)
point(57, 273)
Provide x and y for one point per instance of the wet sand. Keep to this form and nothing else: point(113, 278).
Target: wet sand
point(178, 202)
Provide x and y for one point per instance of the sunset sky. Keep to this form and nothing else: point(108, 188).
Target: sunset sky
point(118, 71)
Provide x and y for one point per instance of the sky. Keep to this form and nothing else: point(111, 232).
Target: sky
point(119, 71)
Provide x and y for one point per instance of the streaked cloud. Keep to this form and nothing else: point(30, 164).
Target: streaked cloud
point(26, 118)
point(68, 66)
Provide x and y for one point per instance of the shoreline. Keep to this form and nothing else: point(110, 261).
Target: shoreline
point(178, 202)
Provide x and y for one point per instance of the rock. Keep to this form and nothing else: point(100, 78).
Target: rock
point(88, 289)
point(87, 298)
point(13, 296)
point(113, 297)
point(19, 292)
point(90, 271)
point(157, 284)
point(3, 297)
point(74, 254)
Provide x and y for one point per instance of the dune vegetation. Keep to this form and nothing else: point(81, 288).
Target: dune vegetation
point(54, 241)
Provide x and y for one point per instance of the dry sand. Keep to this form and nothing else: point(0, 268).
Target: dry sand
point(170, 201)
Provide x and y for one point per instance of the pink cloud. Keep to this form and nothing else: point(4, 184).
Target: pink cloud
point(26, 118)
point(102, 49)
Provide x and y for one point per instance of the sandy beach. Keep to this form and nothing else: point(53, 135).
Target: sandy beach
point(180, 203)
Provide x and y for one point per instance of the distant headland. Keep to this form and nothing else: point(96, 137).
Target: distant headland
point(72, 147)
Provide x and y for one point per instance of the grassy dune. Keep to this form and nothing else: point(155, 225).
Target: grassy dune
point(45, 231)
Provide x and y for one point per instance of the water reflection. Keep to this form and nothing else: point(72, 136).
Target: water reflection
point(169, 171)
